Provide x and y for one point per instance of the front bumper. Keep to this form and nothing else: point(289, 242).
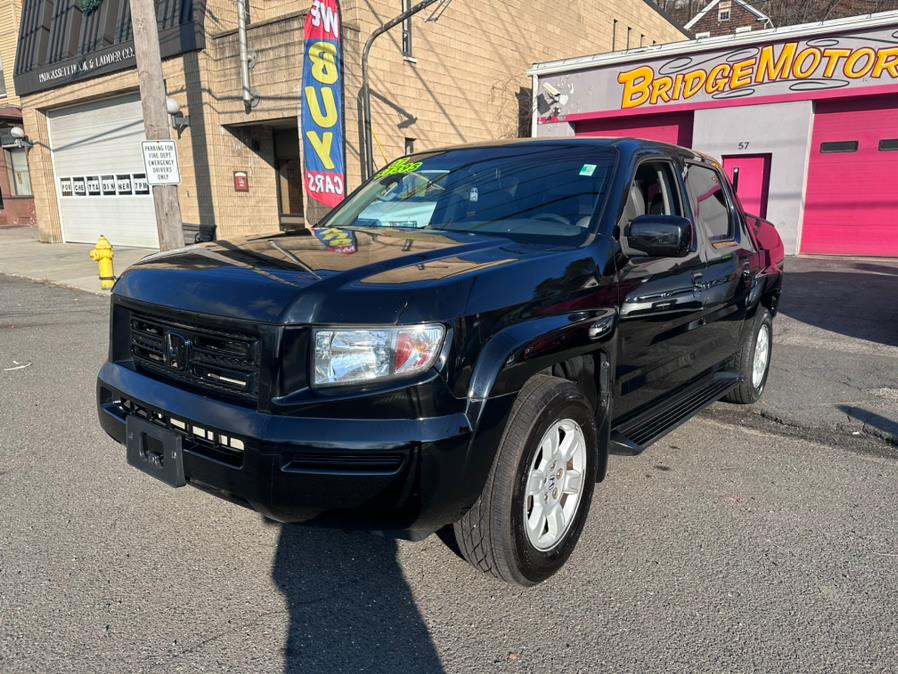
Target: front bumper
point(405, 477)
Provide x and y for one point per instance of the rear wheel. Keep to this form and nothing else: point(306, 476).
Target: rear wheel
point(752, 361)
point(531, 512)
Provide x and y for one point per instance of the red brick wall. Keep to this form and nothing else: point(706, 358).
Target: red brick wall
point(739, 16)
point(14, 210)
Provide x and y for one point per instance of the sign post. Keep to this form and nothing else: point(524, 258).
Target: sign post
point(155, 115)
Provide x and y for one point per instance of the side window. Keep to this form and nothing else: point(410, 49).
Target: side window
point(652, 192)
point(710, 206)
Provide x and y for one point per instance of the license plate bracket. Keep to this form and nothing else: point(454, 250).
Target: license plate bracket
point(154, 450)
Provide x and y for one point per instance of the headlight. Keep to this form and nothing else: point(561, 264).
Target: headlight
point(352, 355)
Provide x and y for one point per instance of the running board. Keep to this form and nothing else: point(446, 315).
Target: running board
point(633, 435)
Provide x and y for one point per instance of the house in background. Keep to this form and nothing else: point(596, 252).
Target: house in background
point(726, 17)
point(16, 200)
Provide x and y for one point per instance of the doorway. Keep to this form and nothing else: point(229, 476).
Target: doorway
point(289, 178)
point(754, 180)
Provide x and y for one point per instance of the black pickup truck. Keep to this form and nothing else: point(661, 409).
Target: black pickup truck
point(461, 342)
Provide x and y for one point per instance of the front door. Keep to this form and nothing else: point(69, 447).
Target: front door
point(754, 180)
point(289, 177)
point(660, 301)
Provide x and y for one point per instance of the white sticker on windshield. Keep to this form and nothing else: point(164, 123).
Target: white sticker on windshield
point(587, 169)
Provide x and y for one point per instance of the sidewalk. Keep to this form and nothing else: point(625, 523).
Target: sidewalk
point(66, 264)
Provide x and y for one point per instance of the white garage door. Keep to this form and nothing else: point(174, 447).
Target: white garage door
point(100, 174)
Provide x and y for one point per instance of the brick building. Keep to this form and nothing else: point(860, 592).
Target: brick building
point(16, 202)
point(461, 79)
point(726, 17)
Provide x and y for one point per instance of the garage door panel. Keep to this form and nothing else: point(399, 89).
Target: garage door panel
point(851, 207)
point(674, 128)
point(102, 138)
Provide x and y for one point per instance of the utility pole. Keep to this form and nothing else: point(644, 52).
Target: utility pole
point(367, 143)
point(155, 115)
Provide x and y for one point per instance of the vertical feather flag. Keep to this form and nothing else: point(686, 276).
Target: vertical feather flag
point(323, 122)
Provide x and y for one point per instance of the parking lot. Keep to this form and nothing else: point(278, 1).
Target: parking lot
point(760, 539)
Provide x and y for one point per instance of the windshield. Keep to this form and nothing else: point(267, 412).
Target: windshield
point(527, 190)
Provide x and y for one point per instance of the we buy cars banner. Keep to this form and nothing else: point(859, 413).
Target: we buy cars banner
point(323, 133)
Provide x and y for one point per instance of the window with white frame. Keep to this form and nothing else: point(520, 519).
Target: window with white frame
point(723, 11)
point(2, 80)
point(17, 165)
point(407, 31)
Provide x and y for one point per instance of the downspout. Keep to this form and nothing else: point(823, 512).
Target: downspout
point(247, 60)
point(368, 150)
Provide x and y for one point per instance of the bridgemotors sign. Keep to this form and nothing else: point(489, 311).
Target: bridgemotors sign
point(793, 66)
point(825, 63)
point(692, 76)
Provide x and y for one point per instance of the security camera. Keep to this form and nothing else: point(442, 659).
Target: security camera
point(551, 91)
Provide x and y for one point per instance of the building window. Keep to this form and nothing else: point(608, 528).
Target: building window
point(888, 145)
point(838, 146)
point(409, 146)
point(723, 11)
point(17, 163)
point(2, 80)
point(407, 31)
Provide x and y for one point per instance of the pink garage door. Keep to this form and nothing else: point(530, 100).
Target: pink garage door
point(673, 128)
point(851, 206)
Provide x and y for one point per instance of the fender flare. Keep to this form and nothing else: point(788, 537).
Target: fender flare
point(514, 355)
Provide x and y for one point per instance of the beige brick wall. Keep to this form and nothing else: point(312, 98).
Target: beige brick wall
point(467, 85)
point(10, 12)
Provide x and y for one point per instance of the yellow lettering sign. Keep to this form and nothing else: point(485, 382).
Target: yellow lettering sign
point(772, 63)
point(324, 62)
point(330, 116)
point(322, 145)
point(637, 85)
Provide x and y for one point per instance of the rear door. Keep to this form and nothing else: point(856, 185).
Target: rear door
point(727, 276)
point(660, 299)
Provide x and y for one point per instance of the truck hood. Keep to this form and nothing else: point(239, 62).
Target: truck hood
point(375, 275)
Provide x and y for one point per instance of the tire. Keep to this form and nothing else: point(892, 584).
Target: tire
point(493, 535)
point(751, 388)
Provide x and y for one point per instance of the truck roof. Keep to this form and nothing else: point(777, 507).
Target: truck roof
point(624, 145)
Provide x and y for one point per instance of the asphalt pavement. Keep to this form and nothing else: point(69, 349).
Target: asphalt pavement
point(761, 539)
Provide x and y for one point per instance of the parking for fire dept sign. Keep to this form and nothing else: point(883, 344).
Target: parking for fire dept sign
point(161, 161)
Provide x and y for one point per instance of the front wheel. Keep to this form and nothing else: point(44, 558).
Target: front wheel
point(529, 517)
point(752, 361)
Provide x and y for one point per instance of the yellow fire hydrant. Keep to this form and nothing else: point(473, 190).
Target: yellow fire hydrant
point(102, 254)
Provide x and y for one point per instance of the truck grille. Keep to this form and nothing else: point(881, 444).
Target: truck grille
point(208, 359)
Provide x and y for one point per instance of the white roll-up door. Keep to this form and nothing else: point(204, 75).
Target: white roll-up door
point(100, 175)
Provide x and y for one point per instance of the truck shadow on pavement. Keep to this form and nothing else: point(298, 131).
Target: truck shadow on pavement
point(855, 299)
point(350, 606)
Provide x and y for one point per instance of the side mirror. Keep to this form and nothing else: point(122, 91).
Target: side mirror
point(660, 235)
